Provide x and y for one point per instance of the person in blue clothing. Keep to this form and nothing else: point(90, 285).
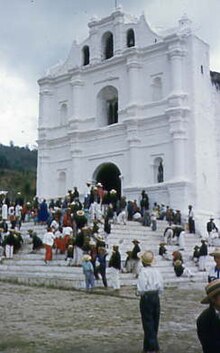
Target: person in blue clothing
point(101, 268)
point(88, 271)
point(43, 212)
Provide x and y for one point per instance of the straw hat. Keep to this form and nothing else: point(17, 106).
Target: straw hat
point(212, 289)
point(216, 252)
point(147, 257)
point(92, 243)
point(80, 213)
point(99, 237)
point(163, 244)
point(86, 257)
point(178, 263)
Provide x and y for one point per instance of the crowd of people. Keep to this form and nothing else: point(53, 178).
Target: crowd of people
point(73, 230)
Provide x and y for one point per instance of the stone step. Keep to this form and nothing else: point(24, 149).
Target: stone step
point(78, 282)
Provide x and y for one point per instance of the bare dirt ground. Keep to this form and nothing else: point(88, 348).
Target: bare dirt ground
point(44, 320)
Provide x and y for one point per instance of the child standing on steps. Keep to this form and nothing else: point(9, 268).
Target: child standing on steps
point(88, 271)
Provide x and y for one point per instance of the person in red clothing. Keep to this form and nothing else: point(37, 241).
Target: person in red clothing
point(48, 242)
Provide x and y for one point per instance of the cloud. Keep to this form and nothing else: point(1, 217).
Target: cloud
point(17, 110)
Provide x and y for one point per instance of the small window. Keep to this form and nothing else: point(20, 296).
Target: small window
point(86, 55)
point(130, 38)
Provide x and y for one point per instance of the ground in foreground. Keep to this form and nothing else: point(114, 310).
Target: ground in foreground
point(44, 320)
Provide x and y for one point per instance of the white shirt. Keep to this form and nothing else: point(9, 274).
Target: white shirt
point(149, 280)
point(11, 211)
point(54, 224)
point(214, 273)
point(18, 209)
point(48, 238)
point(4, 211)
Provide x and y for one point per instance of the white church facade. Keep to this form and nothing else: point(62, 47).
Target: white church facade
point(134, 110)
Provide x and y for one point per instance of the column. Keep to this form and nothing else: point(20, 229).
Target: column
point(179, 137)
point(45, 107)
point(133, 67)
point(76, 154)
point(42, 175)
point(134, 142)
point(119, 44)
point(176, 53)
point(95, 54)
point(77, 101)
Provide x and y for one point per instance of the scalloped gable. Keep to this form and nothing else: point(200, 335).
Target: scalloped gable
point(145, 35)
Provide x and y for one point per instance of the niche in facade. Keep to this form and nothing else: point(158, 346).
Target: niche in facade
point(158, 170)
point(130, 38)
point(157, 93)
point(62, 184)
point(107, 106)
point(63, 114)
point(86, 55)
point(107, 45)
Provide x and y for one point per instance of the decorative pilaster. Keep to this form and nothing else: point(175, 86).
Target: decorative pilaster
point(134, 141)
point(45, 104)
point(178, 130)
point(94, 47)
point(176, 52)
point(133, 68)
point(77, 101)
point(118, 32)
point(42, 174)
point(76, 154)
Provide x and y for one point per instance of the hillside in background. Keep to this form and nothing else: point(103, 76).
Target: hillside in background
point(18, 169)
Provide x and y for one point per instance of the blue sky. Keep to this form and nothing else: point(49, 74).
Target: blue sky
point(36, 34)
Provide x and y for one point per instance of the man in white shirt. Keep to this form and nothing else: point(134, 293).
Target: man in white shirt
point(149, 286)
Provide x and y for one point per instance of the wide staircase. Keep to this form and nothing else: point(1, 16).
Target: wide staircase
point(29, 268)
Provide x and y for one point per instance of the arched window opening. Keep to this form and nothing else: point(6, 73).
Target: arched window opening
point(158, 170)
point(86, 55)
point(130, 38)
point(157, 89)
point(108, 46)
point(107, 106)
point(63, 114)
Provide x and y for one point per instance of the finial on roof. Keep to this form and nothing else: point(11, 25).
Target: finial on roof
point(184, 21)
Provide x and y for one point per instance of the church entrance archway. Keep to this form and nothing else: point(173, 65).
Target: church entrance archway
point(108, 174)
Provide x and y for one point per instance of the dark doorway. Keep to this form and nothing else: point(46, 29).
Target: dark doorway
point(108, 175)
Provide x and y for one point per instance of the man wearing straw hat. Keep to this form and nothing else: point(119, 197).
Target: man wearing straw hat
point(149, 286)
point(208, 323)
point(214, 272)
